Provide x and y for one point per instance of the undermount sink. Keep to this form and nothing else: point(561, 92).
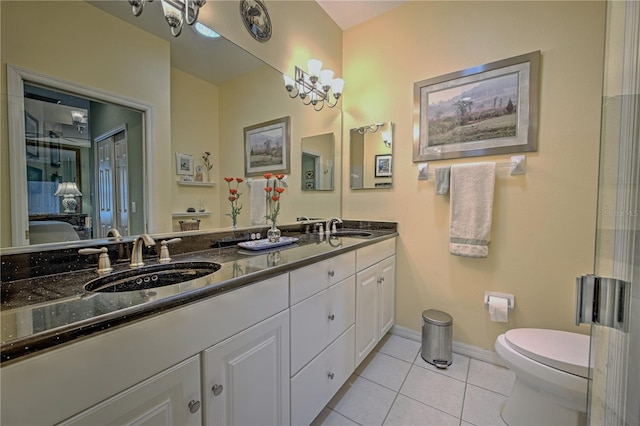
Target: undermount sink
point(351, 233)
point(152, 276)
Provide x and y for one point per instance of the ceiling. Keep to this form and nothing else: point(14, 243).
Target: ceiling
point(348, 13)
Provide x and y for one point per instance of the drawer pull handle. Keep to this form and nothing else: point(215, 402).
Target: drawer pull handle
point(217, 390)
point(331, 273)
point(331, 375)
point(194, 406)
point(332, 317)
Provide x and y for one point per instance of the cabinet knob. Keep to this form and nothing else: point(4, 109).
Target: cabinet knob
point(194, 406)
point(332, 317)
point(331, 375)
point(331, 273)
point(217, 390)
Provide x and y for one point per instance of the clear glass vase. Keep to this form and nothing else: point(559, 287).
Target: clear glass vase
point(234, 222)
point(273, 234)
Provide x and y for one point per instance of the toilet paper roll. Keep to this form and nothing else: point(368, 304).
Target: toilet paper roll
point(498, 309)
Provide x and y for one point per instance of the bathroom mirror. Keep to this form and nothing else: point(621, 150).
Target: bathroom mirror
point(216, 61)
point(317, 162)
point(371, 154)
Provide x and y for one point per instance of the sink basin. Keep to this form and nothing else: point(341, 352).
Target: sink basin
point(152, 276)
point(351, 233)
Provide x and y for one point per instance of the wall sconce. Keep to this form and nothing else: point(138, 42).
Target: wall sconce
point(79, 119)
point(386, 139)
point(68, 190)
point(314, 85)
point(371, 128)
point(176, 12)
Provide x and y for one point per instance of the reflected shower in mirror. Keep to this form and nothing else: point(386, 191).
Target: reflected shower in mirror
point(318, 162)
point(371, 154)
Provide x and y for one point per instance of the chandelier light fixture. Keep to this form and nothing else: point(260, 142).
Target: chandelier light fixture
point(315, 87)
point(79, 119)
point(176, 12)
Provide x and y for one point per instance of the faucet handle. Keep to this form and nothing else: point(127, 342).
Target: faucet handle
point(104, 263)
point(164, 250)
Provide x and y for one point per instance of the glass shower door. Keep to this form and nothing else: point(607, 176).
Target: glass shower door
point(614, 386)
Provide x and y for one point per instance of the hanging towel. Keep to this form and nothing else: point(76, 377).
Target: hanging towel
point(258, 201)
point(442, 180)
point(471, 208)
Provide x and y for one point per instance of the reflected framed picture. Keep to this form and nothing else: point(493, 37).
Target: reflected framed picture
point(484, 110)
point(184, 164)
point(383, 165)
point(31, 135)
point(267, 147)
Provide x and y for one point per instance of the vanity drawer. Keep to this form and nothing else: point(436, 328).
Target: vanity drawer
point(319, 320)
point(307, 281)
point(316, 383)
point(373, 254)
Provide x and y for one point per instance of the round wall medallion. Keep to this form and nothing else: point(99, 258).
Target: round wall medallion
point(256, 19)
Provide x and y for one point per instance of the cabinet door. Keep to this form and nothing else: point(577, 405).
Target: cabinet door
point(168, 398)
point(366, 312)
point(246, 377)
point(342, 307)
point(309, 329)
point(386, 295)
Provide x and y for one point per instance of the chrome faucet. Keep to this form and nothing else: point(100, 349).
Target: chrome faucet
point(331, 229)
point(306, 221)
point(136, 251)
point(113, 232)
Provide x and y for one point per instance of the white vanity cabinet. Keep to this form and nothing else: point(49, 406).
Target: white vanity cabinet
point(171, 397)
point(322, 333)
point(246, 377)
point(375, 295)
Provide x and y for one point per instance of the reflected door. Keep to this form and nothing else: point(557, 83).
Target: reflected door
point(113, 183)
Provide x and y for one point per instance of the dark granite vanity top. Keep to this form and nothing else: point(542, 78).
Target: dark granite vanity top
point(43, 310)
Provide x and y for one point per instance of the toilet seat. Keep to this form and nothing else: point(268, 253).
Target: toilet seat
point(565, 351)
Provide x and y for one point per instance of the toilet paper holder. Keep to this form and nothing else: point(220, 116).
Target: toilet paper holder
point(511, 300)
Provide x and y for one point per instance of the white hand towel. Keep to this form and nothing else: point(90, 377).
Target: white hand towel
point(471, 189)
point(258, 201)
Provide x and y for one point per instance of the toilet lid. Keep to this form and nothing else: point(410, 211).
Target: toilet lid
point(558, 349)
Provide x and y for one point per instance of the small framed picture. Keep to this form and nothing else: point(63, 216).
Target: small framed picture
point(309, 186)
point(184, 164)
point(383, 165)
point(309, 174)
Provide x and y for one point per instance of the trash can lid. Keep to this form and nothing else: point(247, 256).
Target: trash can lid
point(436, 317)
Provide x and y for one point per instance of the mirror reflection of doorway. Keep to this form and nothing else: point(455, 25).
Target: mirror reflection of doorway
point(65, 196)
point(310, 171)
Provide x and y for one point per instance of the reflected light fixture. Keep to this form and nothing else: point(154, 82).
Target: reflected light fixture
point(176, 12)
point(386, 139)
point(371, 128)
point(68, 190)
point(315, 87)
point(79, 119)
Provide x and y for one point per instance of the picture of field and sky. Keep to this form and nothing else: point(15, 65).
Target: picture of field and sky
point(474, 112)
point(266, 148)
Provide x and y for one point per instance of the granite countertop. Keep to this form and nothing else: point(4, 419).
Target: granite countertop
point(47, 311)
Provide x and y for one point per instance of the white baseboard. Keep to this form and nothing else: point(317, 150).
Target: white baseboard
point(459, 348)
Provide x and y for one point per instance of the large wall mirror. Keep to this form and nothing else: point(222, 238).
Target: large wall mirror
point(63, 126)
point(371, 154)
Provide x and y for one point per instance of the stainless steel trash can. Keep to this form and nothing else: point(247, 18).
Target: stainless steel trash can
point(436, 338)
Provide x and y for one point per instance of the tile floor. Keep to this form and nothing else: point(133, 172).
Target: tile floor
point(395, 386)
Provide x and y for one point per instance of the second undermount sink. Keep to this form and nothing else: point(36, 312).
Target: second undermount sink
point(351, 233)
point(151, 276)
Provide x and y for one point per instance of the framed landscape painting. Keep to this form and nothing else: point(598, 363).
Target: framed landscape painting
point(484, 110)
point(266, 147)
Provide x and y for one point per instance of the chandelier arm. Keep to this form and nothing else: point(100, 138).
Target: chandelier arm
point(196, 10)
point(330, 105)
point(136, 6)
point(321, 103)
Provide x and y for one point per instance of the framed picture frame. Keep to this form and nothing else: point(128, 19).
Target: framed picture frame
point(485, 110)
point(184, 164)
point(383, 165)
point(267, 147)
point(54, 149)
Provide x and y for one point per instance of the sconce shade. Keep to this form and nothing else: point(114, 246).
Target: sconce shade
point(314, 66)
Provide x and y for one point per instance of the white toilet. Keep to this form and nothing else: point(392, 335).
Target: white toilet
point(551, 369)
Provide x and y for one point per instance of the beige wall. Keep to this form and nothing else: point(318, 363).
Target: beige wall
point(543, 222)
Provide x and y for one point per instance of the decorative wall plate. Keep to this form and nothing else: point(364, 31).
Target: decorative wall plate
point(256, 19)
